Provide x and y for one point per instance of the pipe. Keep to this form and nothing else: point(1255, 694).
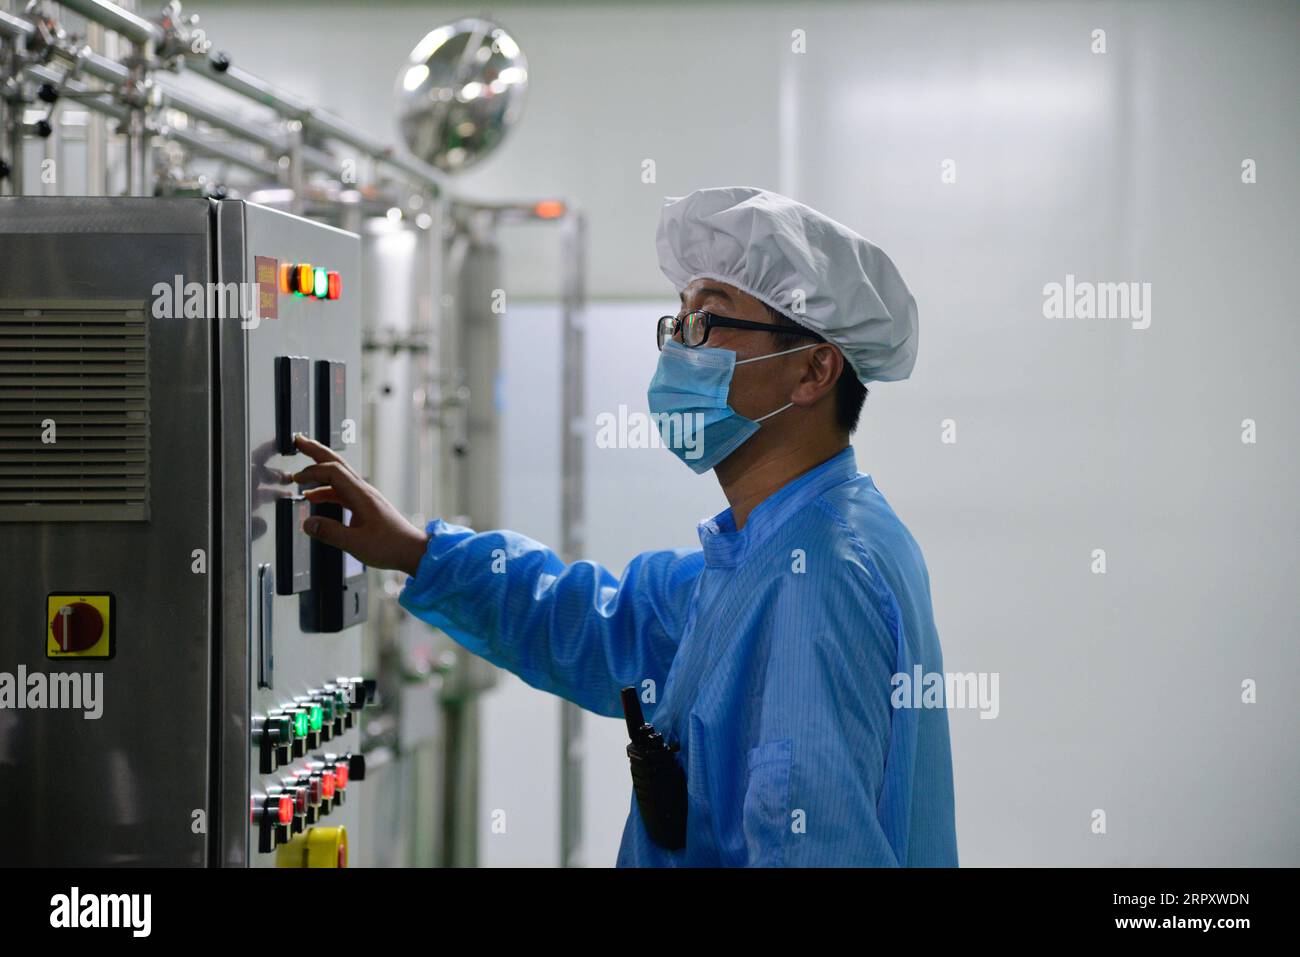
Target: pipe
point(119, 76)
point(258, 90)
point(96, 129)
point(101, 103)
point(318, 121)
point(573, 505)
point(133, 27)
point(15, 27)
point(278, 146)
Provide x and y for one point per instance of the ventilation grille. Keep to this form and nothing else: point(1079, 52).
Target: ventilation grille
point(76, 373)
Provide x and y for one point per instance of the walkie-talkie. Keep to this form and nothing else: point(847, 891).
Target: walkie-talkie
point(657, 779)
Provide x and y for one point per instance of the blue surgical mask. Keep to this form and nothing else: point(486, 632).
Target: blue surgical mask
point(688, 399)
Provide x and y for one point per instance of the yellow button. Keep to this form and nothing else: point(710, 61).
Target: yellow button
point(318, 847)
point(78, 626)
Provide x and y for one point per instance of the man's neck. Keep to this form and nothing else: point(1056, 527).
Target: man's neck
point(747, 482)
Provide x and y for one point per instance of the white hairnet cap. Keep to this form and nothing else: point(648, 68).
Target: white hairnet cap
point(780, 251)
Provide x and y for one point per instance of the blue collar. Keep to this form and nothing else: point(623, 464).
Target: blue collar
point(725, 547)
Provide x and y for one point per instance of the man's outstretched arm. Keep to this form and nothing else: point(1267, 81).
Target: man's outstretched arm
point(574, 630)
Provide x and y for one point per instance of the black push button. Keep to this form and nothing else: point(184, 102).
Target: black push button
point(292, 401)
point(292, 546)
point(331, 402)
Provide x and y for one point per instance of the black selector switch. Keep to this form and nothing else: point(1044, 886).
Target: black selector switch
point(292, 401)
point(264, 737)
point(292, 546)
point(269, 813)
point(356, 691)
point(331, 402)
point(283, 741)
point(356, 766)
point(273, 735)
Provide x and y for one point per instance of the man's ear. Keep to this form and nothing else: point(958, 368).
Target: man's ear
point(821, 372)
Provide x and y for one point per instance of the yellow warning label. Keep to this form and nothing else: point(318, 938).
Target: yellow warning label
point(78, 626)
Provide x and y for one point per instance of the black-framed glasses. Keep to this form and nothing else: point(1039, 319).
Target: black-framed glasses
point(695, 326)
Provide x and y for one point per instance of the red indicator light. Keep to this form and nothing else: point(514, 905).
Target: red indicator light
point(300, 801)
point(336, 285)
point(341, 775)
point(327, 784)
point(286, 809)
point(549, 209)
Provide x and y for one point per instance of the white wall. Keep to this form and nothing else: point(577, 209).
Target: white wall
point(1118, 691)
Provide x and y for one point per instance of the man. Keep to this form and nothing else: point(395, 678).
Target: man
point(766, 657)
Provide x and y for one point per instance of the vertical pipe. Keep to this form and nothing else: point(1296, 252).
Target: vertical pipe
point(4, 150)
point(572, 512)
point(476, 282)
point(17, 144)
point(297, 176)
point(139, 149)
point(96, 128)
point(52, 150)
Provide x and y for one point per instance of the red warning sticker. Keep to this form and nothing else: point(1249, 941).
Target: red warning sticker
point(268, 287)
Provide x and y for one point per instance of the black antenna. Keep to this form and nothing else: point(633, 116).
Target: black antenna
point(632, 712)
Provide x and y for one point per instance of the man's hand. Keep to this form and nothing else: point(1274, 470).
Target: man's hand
point(378, 536)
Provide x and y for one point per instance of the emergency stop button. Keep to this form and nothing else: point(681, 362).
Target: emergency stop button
point(79, 625)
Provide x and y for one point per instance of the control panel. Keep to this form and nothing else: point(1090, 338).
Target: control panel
point(169, 575)
point(310, 783)
point(304, 732)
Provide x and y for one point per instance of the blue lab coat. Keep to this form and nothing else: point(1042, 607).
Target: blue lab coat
point(768, 654)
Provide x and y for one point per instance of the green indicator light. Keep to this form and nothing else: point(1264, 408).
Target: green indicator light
point(322, 284)
point(317, 719)
point(300, 724)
